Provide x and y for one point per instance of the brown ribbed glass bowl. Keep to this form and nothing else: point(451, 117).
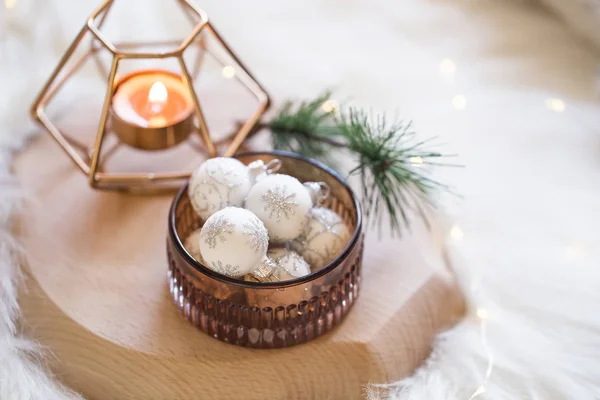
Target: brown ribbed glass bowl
point(274, 314)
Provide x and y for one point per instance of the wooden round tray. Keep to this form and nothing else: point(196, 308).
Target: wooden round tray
point(98, 298)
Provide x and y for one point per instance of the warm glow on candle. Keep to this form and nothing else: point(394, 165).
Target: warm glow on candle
point(152, 99)
point(157, 96)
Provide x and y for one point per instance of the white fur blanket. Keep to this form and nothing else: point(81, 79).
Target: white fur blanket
point(526, 231)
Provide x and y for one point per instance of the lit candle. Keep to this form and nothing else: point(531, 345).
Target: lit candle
point(152, 110)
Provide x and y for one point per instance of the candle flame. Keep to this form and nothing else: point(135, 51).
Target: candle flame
point(158, 93)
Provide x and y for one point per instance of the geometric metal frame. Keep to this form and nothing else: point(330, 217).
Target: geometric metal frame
point(89, 165)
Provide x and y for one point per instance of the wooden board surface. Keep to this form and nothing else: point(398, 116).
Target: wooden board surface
point(98, 298)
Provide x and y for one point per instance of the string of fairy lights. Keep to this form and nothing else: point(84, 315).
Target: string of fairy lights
point(448, 67)
point(481, 314)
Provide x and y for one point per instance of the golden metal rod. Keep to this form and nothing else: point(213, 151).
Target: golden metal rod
point(103, 119)
point(202, 43)
point(200, 56)
point(245, 130)
point(100, 36)
point(95, 48)
point(103, 17)
point(244, 78)
point(121, 177)
point(188, 12)
point(97, 61)
point(98, 11)
point(255, 88)
point(159, 55)
point(203, 129)
point(195, 32)
point(109, 153)
point(58, 85)
point(235, 58)
point(41, 96)
point(157, 43)
point(76, 144)
point(201, 13)
point(62, 141)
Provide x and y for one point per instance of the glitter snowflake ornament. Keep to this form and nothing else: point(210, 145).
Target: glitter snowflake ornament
point(233, 241)
point(222, 182)
point(324, 237)
point(281, 202)
point(290, 264)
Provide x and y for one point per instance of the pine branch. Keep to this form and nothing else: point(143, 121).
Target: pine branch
point(392, 166)
point(306, 128)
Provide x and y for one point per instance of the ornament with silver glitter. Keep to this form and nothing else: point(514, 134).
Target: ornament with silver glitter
point(222, 182)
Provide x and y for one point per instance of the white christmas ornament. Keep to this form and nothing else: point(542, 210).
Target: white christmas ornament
point(290, 264)
point(281, 202)
point(233, 242)
point(323, 238)
point(222, 182)
point(192, 245)
point(318, 191)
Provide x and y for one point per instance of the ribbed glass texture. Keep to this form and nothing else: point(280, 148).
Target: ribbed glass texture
point(267, 315)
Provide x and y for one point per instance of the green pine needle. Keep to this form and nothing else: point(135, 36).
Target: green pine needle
point(305, 128)
point(392, 166)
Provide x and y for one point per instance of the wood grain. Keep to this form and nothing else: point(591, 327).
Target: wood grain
point(98, 298)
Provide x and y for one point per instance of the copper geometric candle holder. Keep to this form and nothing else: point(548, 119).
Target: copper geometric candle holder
point(93, 44)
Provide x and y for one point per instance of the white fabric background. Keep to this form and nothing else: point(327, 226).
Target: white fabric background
point(526, 231)
point(582, 16)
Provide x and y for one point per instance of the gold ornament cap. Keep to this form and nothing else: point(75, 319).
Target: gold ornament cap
point(264, 271)
point(258, 169)
point(318, 191)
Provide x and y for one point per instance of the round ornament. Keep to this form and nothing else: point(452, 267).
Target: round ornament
point(222, 182)
point(290, 264)
point(192, 245)
point(281, 202)
point(323, 237)
point(233, 241)
point(318, 191)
